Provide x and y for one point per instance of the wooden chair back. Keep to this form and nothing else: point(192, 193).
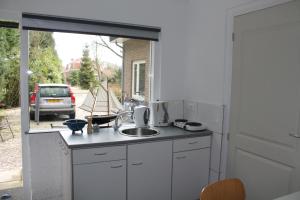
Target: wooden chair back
point(228, 189)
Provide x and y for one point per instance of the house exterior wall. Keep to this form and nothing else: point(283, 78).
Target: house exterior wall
point(135, 50)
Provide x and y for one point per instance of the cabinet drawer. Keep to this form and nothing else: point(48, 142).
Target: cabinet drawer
point(93, 155)
point(191, 143)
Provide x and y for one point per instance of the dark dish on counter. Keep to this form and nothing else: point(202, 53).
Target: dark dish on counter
point(75, 125)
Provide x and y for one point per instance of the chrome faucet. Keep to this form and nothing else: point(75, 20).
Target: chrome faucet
point(117, 125)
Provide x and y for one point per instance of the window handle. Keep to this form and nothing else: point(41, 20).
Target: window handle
point(195, 142)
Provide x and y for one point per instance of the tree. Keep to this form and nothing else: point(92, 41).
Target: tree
point(44, 63)
point(86, 73)
point(9, 66)
point(117, 49)
point(116, 75)
point(43, 59)
point(74, 78)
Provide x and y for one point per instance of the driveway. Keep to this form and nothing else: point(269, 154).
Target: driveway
point(56, 121)
point(11, 151)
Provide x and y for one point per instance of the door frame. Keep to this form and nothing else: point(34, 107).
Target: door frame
point(230, 15)
point(16, 16)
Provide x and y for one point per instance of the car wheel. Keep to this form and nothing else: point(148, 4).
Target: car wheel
point(72, 116)
point(32, 116)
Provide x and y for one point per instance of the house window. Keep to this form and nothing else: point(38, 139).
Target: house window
point(138, 79)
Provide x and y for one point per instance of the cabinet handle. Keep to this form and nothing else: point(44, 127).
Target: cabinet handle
point(193, 142)
point(180, 157)
point(118, 166)
point(137, 164)
point(295, 135)
point(100, 154)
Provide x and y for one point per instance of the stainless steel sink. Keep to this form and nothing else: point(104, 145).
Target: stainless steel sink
point(139, 132)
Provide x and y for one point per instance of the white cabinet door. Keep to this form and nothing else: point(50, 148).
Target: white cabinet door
point(97, 181)
point(46, 166)
point(190, 173)
point(149, 171)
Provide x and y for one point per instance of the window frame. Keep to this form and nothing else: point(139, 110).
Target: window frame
point(133, 78)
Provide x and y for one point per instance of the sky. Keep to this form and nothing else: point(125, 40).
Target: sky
point(69, 45)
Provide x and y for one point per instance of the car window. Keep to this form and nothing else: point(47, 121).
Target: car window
point(54, 91)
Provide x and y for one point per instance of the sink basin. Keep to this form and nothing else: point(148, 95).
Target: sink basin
point(139, 132)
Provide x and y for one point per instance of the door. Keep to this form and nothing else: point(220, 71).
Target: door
point(105, 180)
point(190, 173)
point(149, 171)
point(265, 100)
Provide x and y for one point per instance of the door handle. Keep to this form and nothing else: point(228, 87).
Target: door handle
point(295, 135)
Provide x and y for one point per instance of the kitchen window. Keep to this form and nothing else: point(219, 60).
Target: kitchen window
point(128, 34)
point(138, 79)
point(128, 78)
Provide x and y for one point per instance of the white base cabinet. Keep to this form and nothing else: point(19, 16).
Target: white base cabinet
point(161, 170)
point(99, 173)
point(190, 173)
point(149, 171)
point(96, 181)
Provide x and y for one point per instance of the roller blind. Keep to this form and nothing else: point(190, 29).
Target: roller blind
point(76, 25)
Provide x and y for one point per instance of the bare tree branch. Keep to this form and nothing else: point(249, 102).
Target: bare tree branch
point(104, 44)
point(117, 44)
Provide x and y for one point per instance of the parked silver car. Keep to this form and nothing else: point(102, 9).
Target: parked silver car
point(53, 99)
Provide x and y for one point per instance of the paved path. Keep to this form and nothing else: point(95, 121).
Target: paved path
point(10, 150)
point(45, 121)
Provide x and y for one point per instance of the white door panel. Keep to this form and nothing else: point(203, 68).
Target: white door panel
point(264, 176)
point(267, 149)
point(264, 95)
point(265, 106)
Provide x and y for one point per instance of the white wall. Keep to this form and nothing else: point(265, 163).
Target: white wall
point(204, 77)
point(170, 15)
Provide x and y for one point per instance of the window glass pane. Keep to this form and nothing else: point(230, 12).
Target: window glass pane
point(135, 68)
point(142, 79)
point(48, 91)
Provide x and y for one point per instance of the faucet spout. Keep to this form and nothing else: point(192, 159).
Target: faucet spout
point(119, 117)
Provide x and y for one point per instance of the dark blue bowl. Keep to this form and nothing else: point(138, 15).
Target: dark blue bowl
point(75, 124)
